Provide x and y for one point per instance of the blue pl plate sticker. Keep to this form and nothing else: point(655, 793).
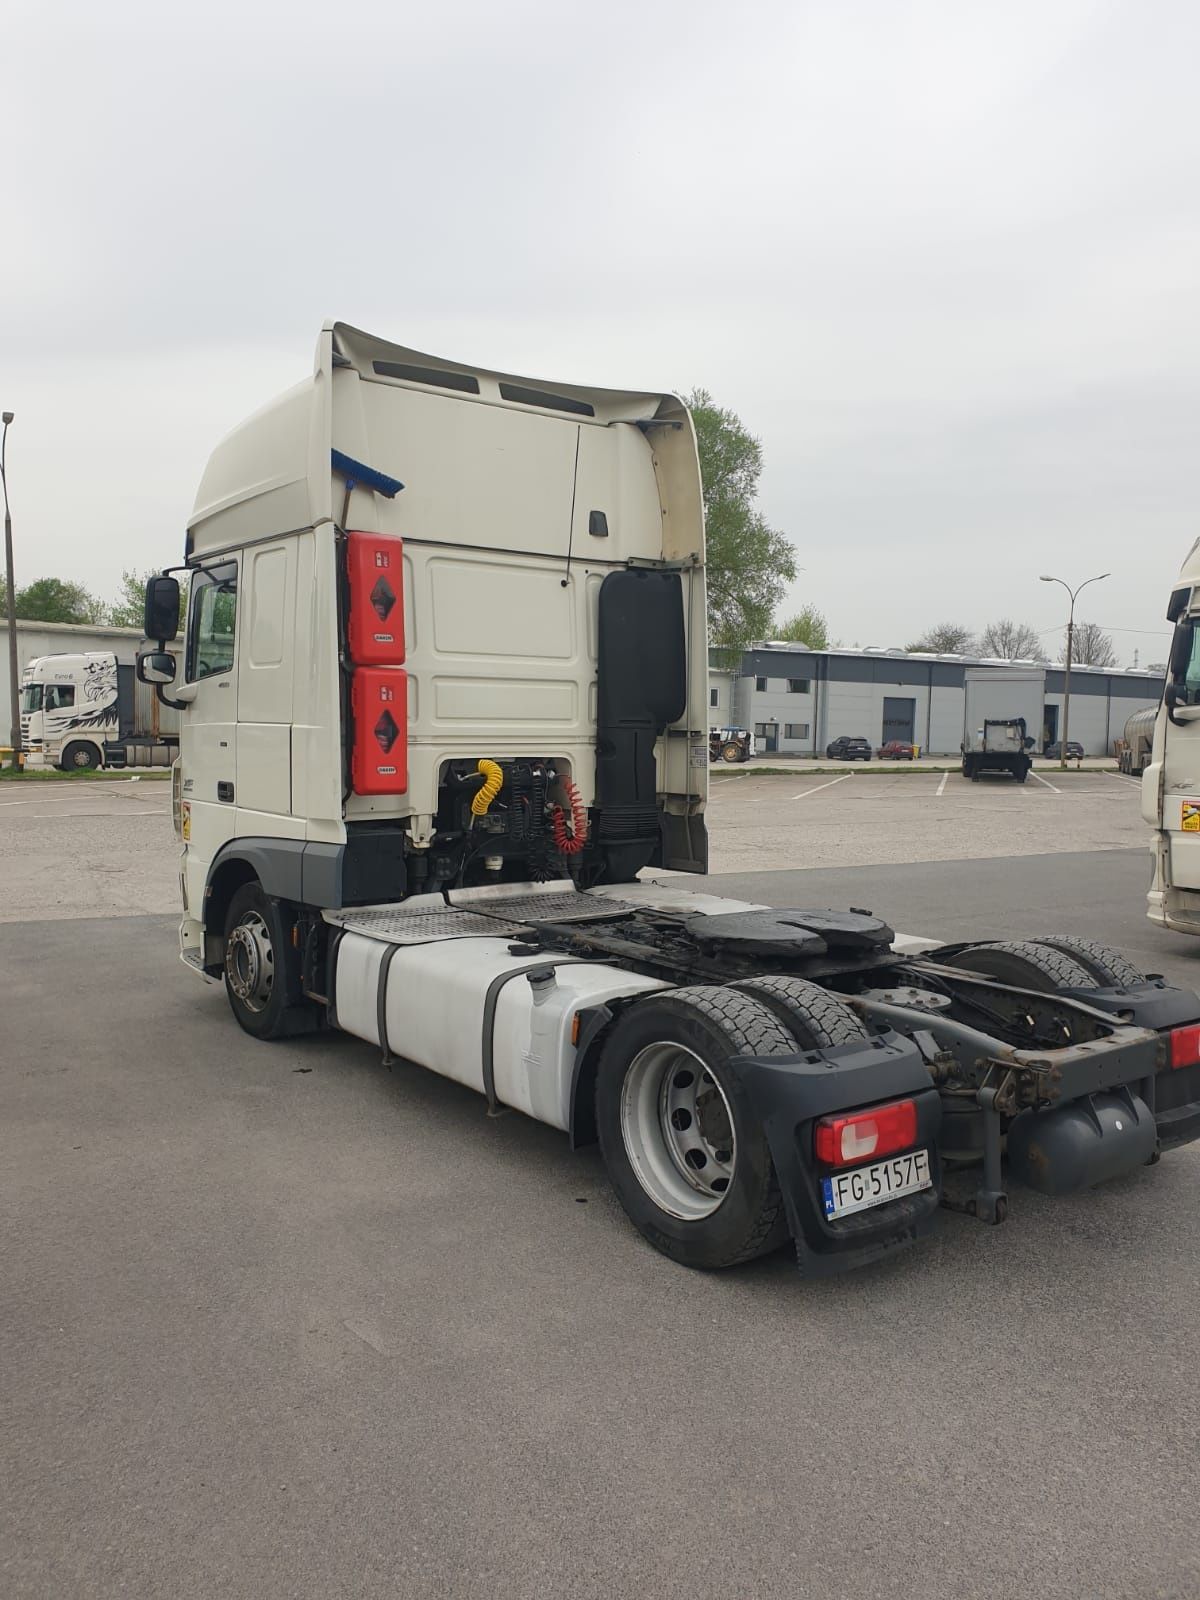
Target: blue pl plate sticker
point(827, 1195)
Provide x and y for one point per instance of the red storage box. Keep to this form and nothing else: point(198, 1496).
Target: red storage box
point(375, 574)
point(379, 703)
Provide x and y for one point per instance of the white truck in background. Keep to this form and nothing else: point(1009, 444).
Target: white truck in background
point(1002, 719)
point(1171, 779)
point(444, 707)
point(88, 710)
point(1136, 746)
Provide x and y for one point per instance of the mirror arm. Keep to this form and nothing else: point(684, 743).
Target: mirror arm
point(165, 699)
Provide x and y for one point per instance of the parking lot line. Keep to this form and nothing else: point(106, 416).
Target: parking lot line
point(828, 785)
point(1048, 785)
point(42, 816)
point(941, 789)
point(1123, 777)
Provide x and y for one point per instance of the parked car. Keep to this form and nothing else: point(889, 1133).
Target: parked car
point(896, 750)
point(730, 744)
point(845, 749)
point(1053, 752)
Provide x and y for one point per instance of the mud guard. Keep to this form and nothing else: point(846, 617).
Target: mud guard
point(791, 1092)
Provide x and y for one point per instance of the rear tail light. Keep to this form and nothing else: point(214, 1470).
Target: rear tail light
point(1185, 1046)
point(866, 1135)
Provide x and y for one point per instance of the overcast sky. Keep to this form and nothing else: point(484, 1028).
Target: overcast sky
point(942, 257)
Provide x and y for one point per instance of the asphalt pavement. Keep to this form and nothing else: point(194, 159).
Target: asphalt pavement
point(278, 1321)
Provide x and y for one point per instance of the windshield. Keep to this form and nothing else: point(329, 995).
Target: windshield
point(31, 697)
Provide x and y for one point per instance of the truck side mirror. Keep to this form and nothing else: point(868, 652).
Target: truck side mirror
point(161, 620)
point(156, 666)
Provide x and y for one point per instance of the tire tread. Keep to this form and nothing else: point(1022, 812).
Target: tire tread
point(830, 1021)
point(1061, 970)
point(1112, 968)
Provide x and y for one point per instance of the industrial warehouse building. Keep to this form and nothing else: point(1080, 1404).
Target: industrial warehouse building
point(797, 700)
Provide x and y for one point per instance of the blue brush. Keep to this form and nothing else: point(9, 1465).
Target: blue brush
point(355, 473)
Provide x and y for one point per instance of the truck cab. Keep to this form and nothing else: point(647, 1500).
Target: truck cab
point(405, 567)
point(1171, 778)
point(69, 709)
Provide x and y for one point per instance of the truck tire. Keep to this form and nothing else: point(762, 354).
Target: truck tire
point(80, 757)
point(684, 1150)
point(259, 983)
point(1025, 964)
point(1108, 968)
point(816, 1019)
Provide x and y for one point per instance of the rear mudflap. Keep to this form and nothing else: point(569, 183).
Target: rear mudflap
point(789, 1093)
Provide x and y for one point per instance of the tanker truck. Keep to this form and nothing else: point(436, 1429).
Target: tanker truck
point(1133, 754)
point(442, 779)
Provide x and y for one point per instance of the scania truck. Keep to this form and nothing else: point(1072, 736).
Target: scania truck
point(444, 755)
point(86, 710)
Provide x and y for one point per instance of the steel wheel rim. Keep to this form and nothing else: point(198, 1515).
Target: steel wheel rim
point(678, 1131)
point(250, 962)
point(82, 759)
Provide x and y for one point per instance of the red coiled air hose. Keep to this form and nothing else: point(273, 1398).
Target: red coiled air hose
point(569, 844)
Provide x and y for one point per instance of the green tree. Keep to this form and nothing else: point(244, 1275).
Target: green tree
point(947, 638)
point(128, 609)
point(749, 563)
point(808, 627)
point(58, 600)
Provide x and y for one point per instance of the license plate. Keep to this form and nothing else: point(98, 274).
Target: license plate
point(872, 1186)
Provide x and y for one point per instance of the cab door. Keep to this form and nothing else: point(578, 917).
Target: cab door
point(208, 737)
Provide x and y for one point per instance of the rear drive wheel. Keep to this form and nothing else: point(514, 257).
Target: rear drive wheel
point(1108, 968)
point(731, 751)
point(816, 1019)
point(684, 1150)
point(1025, 964)
point(258, 954)
point(80, 757)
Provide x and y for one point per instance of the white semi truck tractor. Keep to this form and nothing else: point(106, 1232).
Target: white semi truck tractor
point(443, 702)
point(1171, 777)
point(87, 710)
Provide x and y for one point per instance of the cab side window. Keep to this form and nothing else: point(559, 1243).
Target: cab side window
point(213, 621)
point(59, 696)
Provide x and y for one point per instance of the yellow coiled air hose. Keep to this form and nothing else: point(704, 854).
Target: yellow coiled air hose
point(493, 782)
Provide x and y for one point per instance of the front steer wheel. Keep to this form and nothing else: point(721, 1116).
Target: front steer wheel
point(683, 1147)
point(261, 977)
point(79, 756)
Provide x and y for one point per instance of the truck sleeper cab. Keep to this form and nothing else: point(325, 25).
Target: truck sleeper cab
point(442, 691)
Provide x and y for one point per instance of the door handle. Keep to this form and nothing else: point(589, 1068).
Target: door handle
point(225, 791)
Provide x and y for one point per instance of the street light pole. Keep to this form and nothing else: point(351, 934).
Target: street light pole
point(1066, 727)
point(14, 686)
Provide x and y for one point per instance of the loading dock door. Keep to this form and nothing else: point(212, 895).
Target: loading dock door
point(899, 717)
